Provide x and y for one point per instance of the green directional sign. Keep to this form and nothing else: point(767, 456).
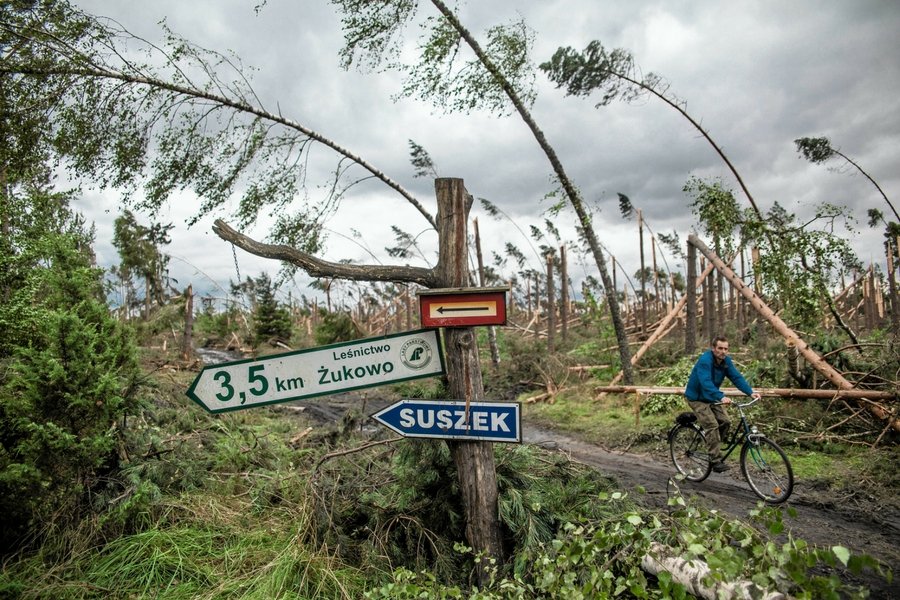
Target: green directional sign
point(318, 371)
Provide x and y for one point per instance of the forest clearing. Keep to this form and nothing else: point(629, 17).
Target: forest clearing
point(453, 417)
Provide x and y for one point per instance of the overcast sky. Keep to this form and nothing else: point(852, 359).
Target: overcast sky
point(756, 74)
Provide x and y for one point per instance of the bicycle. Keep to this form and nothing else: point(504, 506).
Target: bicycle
point(764, 464)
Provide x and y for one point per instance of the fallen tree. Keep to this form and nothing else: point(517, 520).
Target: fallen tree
point(766, 392)
point(791, 337)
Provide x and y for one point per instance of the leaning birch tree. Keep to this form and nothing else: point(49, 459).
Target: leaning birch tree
point(497, 76)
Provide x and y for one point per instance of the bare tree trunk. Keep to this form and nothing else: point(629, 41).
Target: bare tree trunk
point(656, 301)
point(892, 289)
point(187, 342)
point(643, 327)
point(739, 300)
point(690, 328)
point(816, 361)
point(720, 304)
point(146, 298)
point(563, 294)
point(474, 460)
point(693, 573)
point(709, 308)
point(492, 331)
point(869, 295)
point(551, 305)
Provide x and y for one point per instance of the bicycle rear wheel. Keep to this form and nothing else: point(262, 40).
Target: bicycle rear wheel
point(687, 448)
point(766, 468)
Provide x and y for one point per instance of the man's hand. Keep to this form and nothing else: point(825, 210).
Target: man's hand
point(725, 400)
point(755, 396)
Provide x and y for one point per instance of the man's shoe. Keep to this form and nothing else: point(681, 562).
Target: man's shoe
point(720, 467)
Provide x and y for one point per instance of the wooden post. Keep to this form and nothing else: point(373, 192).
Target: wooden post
point(474, 460)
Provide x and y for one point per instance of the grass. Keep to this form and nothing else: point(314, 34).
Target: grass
point(207, 547)
point(609, 420)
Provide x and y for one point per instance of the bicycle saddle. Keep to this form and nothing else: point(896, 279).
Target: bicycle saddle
point(686, 418)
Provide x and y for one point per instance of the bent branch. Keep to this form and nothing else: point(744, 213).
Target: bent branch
point(317, 267)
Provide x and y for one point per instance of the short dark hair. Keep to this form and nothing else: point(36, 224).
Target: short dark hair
point(717, 339)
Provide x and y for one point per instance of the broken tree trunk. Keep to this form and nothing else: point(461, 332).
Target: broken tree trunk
point(187, 340)
point(664, 326)
point(811, 356)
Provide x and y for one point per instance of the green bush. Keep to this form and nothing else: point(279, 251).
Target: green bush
point(67, 377)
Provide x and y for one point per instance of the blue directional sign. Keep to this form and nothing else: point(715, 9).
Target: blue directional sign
point(449, 419)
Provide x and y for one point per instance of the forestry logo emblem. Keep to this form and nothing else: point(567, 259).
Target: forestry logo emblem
point(416, 353)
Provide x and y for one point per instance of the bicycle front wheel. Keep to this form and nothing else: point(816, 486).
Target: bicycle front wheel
point(767, 469)
point(687, 448)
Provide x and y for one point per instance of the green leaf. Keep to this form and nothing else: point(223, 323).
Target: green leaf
point(842, 553)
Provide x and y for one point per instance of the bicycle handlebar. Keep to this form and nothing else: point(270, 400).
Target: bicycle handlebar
point(744, 405)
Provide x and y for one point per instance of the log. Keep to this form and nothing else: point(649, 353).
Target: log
point(765, 392)
point(691, 574)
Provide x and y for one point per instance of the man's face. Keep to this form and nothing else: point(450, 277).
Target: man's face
point(720, 350)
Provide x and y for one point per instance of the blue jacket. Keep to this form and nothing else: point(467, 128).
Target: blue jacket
point(706, 378)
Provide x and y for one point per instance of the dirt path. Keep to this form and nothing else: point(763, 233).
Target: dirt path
point(859, 524)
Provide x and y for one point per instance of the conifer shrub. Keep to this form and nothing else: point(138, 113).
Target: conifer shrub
point(271, 319)
point(67, 381)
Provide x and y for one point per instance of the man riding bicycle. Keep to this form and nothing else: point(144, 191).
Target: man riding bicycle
point(706, 399)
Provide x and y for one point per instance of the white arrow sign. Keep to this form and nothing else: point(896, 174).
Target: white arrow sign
point(318, 371)
point(454, 419)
